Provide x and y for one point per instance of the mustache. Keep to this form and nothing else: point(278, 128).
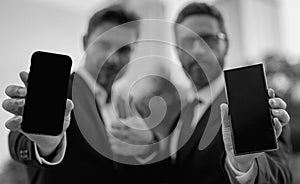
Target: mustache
point(111, 67)
point(192, 65)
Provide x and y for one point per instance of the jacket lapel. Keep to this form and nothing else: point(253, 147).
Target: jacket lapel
point(204, 133)
point(214, 123)
point(87, 117)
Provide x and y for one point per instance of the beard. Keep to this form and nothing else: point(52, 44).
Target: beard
point(196, 74)
point(107, 75)
point(201, 74)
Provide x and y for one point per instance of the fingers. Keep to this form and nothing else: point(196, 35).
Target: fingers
point(69, 107)
point(125, 136)
point(278, 127)
point(278, 109)
point(121, 135)
point(113, 140)
point(24, 78)
point(14, 91)
point(67, 119)
point(132, 109)
point(271, 93)
point(282, 115)
point(118, 147)
point(118, 125)
point(277, 103)
point(14, 124)
point(142, 108)
point(226, 130)
point(14, 106)
point(225, 119)
point(121, 108)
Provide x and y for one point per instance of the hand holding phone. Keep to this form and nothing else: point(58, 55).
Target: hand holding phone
point(47, 81)
point(15, 105)
point(280, 117)
point(251, 117)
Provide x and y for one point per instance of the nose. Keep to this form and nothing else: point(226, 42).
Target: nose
point(199, 47)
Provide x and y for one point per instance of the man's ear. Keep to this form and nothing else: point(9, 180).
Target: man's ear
point(225, 46)
point(179, 52)
point(85, 41)
point(133, 48)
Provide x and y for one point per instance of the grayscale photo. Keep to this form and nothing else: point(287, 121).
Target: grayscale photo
point(150, 91)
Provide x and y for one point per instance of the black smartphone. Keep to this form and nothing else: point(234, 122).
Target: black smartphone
point(251, 119)
point(46, 97)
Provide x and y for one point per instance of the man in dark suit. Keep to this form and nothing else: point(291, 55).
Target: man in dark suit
point(205, 149)
point(75, 153)
point(85, 151)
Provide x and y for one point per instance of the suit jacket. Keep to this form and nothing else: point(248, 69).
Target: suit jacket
point(82, 162)
point(202, 155)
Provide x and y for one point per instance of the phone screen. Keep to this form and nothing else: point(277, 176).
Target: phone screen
point(251, 119)
point(46, 97)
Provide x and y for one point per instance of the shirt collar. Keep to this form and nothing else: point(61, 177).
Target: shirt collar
point(92, 84)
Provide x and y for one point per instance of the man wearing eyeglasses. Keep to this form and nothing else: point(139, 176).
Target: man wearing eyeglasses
point(203, 139)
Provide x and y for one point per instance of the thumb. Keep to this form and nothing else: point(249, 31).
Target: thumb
point(225, 119)
point(24, 77)
point(226, 130)
point(132, 107)
point(69, 108)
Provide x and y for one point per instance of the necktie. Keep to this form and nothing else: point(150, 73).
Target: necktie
point(187, 118)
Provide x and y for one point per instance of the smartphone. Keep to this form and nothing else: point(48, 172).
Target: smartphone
point(251, 119)
point(46, 97)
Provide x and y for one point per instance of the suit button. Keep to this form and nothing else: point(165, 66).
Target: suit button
point(24, 154)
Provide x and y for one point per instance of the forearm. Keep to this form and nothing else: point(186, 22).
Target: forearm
point(273, 169)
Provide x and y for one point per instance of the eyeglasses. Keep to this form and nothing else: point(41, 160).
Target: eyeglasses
point(210, 39)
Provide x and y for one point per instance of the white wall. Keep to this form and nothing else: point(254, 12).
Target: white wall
point(260, 27)
point(54, 25)
point(290, 26)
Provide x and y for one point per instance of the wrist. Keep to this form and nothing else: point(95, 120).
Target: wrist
point(243, 166)
point(46, 148)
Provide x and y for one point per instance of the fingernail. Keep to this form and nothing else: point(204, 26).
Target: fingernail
point(276, 112)
point(273, 101)
point(20, 102)
point(18, 118)
point(21, 91)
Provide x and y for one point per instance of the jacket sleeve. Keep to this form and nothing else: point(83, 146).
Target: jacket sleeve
point(274, 166)
point(22, 149)
point(25, 151)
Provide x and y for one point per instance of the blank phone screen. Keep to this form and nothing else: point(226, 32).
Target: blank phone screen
point(251, 120)
point(45, 101)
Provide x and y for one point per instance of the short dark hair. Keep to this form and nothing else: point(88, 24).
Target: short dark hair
point(114, 14)
point(196, 8)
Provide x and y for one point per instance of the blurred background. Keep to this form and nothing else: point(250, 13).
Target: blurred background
point(259, 31)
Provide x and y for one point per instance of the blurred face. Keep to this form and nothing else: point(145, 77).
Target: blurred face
point(209, 51)
point(107, 52)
